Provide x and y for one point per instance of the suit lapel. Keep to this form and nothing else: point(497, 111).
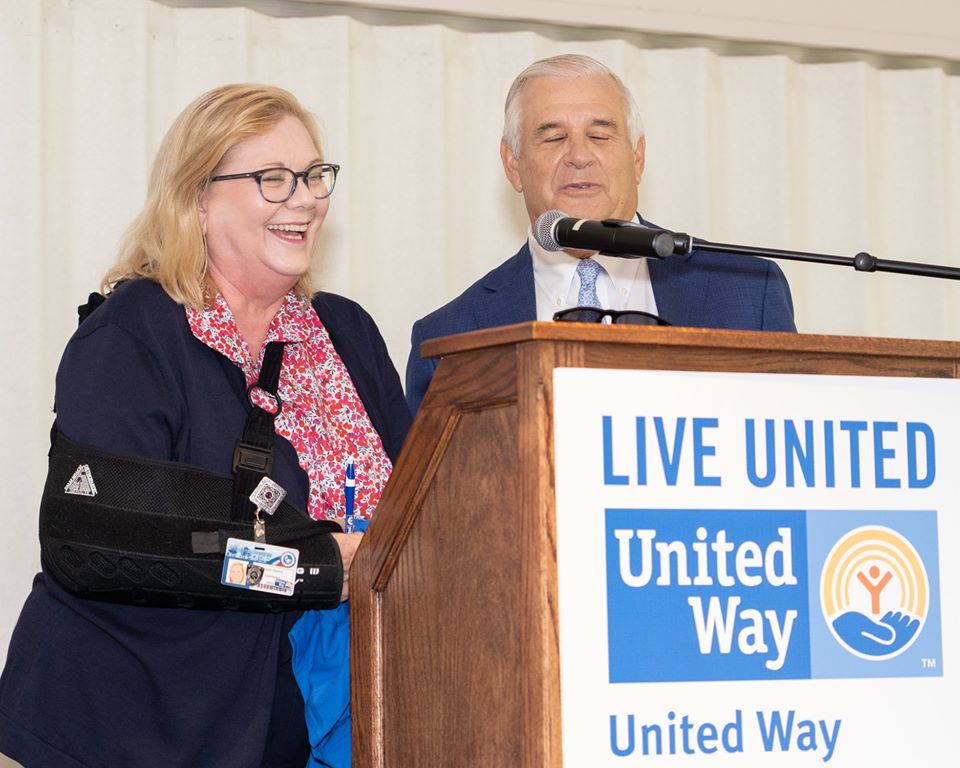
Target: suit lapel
point(680, 299)
point(510, 293)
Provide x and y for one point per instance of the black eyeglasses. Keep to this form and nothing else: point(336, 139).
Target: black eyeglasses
point(277, 185)
point(595, 315)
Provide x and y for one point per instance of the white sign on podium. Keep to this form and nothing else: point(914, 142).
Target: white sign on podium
point(757, 569)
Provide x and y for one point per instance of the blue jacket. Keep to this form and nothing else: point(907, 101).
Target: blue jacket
point(703, 289)
point(95, 683)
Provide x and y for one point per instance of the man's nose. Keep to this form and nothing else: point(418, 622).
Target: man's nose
point(579, 153)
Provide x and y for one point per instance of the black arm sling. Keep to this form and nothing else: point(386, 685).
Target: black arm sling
point(145, 532)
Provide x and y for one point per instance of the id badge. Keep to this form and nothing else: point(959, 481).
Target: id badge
point(261, 567)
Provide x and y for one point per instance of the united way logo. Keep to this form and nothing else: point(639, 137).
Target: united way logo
point(874, 593)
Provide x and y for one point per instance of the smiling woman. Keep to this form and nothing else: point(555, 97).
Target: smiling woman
point(258, 248)
point(210, 296)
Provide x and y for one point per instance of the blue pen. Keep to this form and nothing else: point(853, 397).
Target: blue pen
point(349, 487)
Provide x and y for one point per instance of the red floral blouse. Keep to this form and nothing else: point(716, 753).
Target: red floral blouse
point(322, 415)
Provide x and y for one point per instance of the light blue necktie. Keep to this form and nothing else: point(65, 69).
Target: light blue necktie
point(587, 271)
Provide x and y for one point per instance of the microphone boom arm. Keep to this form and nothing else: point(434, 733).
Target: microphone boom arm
point(554, 230)
point(862, 262)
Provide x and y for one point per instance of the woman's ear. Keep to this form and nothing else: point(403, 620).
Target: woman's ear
point(202, 210)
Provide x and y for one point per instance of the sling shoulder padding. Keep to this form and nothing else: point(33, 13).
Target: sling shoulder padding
point(147, 532)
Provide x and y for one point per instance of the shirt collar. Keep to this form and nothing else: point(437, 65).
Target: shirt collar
point(294, 321)
point(216, 327)
point(291, 323)
point(555, 270)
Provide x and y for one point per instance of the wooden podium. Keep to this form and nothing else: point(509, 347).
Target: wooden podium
point(454, 647)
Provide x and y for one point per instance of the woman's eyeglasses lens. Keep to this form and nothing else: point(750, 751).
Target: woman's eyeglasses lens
point(277, 185)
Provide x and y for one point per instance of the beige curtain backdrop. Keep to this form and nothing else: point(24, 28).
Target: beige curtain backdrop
point(755, 149)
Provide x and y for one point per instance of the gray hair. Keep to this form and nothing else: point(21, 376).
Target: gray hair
point(565, 65)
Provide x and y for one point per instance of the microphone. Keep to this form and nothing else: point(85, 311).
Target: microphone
point(555, 231)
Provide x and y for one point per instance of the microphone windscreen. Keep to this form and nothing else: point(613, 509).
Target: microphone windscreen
point(543, 230)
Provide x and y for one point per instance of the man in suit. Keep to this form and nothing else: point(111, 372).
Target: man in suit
point(573, 142)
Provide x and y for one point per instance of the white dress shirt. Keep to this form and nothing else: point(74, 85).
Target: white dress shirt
point(621, 284)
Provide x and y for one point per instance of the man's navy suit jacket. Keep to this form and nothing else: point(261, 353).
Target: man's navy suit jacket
point(702, 289)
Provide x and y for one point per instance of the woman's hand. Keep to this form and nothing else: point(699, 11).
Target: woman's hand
point(348, 543)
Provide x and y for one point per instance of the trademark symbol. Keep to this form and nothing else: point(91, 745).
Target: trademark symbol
point(928, 663)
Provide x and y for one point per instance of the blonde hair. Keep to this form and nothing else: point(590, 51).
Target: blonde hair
point(565, 65)
point(165, 243)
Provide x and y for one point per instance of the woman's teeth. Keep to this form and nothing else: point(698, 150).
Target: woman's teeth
point(289, 231)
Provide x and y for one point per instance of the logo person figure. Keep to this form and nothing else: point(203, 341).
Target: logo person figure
point(874, 587)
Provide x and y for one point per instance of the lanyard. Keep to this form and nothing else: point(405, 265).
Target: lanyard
point(253, 453)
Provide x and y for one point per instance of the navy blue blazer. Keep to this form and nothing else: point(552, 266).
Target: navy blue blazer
point(703, 289)
point(90, 682)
